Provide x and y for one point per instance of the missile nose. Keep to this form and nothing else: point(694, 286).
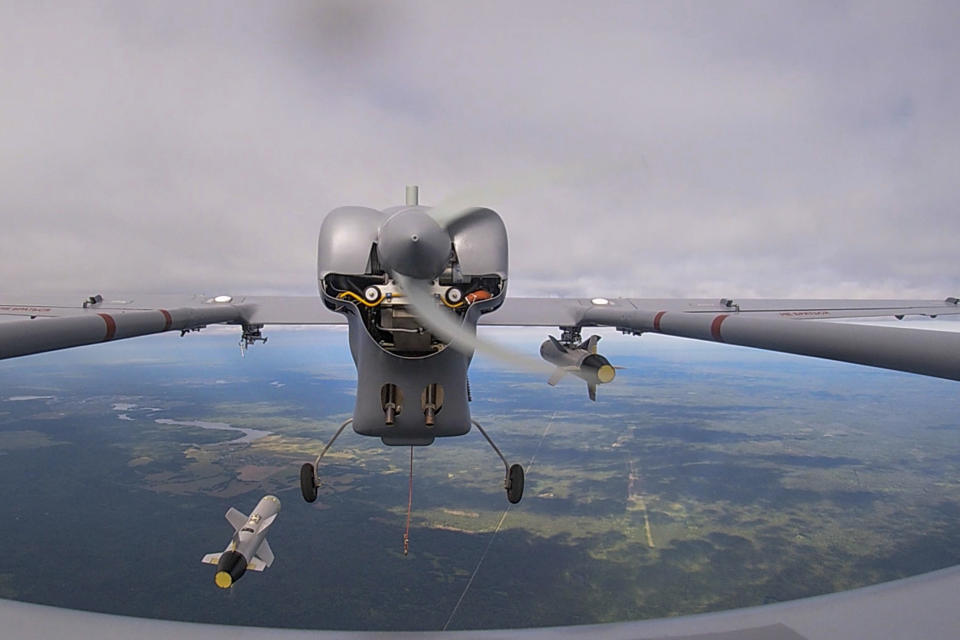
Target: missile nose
point(223, 580)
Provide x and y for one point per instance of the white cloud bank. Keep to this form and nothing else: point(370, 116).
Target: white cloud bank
point(715, 149)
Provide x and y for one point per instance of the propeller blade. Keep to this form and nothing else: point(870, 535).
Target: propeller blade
point(463, 339)
point(416, 262)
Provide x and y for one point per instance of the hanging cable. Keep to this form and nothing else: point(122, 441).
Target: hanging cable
point(496, 531)
point(406, 533)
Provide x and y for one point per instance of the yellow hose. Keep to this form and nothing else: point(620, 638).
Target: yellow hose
point(360, 299)
point(363, 301)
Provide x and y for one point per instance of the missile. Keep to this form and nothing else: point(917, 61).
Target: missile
point(582, 360)
point(248, 548)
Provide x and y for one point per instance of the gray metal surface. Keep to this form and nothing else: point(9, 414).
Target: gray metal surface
point(343, 245)
point(931, 353)
point(480, 240)
point(377, 367)
point(292, 310)
point(48, 334)
point(478, 236)
point(545, 312)
point(764, 324)
point(924, 606)
point(257, 309)
point(533, 312)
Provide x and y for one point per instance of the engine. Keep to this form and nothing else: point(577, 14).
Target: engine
point(361, 250)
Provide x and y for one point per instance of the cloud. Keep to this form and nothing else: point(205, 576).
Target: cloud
point(708, 150)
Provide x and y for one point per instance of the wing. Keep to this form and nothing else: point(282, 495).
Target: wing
point(774, 325)
point(256, 564)
point(57, 322)
point(545, 312)
point(265, 554)
point(235, 518)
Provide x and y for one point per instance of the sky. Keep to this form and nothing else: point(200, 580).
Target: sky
point(717, 149)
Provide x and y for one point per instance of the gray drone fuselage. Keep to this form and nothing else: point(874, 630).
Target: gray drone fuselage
point(411, 384)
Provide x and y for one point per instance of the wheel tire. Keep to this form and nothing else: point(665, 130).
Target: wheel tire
point(307, 485)
point(515, 490)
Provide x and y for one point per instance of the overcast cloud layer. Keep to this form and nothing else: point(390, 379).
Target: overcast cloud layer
point(710, 149)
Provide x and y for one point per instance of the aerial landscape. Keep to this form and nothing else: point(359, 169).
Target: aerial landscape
point(705, 477)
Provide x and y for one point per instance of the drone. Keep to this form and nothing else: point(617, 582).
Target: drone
point(413, 283)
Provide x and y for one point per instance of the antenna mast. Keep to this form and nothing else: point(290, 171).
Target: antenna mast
point(413, 195)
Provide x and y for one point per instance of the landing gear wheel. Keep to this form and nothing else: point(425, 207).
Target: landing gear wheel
point(515, 484)
point(308, 486)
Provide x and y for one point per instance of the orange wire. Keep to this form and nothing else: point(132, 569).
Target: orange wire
point(406, 533)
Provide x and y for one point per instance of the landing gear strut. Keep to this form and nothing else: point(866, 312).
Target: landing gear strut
point(513, 481)
point(309, 480)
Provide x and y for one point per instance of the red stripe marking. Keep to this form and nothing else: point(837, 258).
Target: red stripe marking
point(167, 319)
point(111, 326)
point(715, 327)
point(656, 320)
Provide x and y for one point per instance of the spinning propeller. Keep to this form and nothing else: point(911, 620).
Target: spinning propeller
point(415, 246)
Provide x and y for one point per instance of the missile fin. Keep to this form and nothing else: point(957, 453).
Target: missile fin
point(591, 344)
point(235, 518)
point(211, 558)
point(556, 377)
point(267, 523)
point(265, 554)
point(557, 344)
point(256, 564)
point(592, 391)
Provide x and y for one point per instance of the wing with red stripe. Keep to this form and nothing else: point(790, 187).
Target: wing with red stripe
point(545, 312)
point(58, 322)
point(766, 324)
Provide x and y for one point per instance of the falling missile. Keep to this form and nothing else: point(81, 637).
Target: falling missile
point(248, 548)
point(582, 360)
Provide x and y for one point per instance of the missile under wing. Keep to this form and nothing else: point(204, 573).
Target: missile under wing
point(248, 549)
point(581, 360)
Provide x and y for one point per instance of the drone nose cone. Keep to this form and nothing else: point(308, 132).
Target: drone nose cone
point(410, 242)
